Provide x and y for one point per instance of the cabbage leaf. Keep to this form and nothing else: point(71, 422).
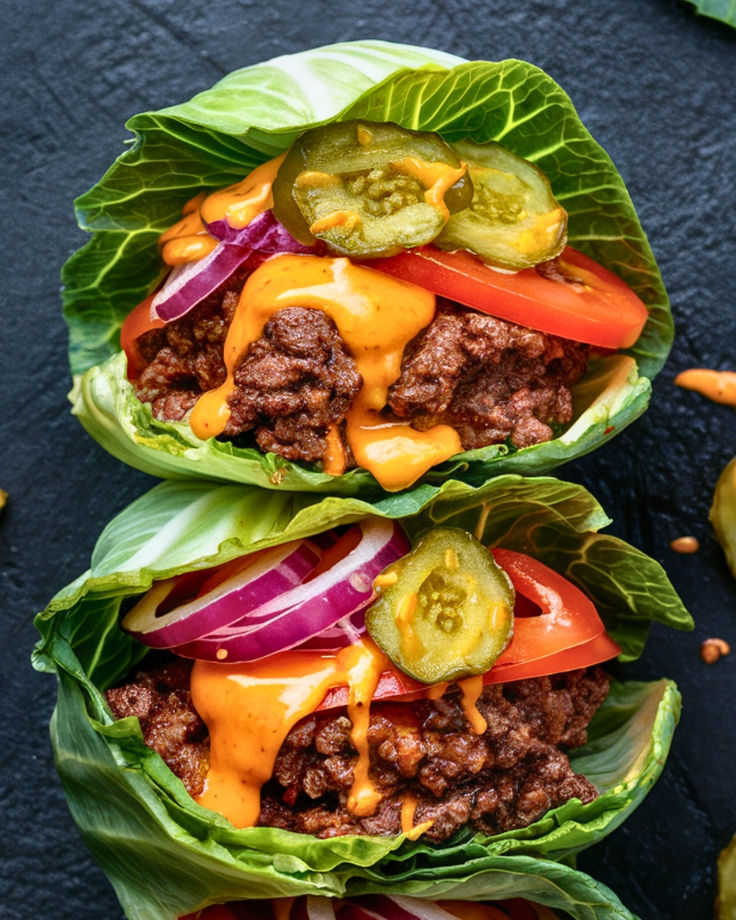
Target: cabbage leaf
point(165, 855)
point(253, 113)
point(722, 10)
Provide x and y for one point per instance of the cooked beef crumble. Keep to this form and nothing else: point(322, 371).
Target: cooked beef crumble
point(489, 379)
point(503, 779)
point(296, 381)
point(185, 356)
point(159, 696)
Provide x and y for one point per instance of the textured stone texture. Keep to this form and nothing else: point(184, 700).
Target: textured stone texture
point(654, 84)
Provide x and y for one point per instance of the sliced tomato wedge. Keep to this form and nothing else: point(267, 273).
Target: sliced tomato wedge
point(134, 325)
point(584, 302)
point(567, 619)
point(556, 629)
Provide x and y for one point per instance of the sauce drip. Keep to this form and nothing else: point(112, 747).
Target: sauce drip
point(238, 204)
point(377, 316)
point(436, 177)
point(410, 830)
point(249, 709)
point(188, 239)
point(471, 689)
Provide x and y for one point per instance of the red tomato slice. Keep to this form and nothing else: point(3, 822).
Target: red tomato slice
point(567, 617)
point(134, 325)
point(598, 308)
point(564, 635)
point(594, 651)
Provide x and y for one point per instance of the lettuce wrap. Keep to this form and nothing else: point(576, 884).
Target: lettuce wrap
point(165, 855)
point(256, 113)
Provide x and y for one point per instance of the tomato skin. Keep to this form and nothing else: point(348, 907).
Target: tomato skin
point(601, 310)
point(566, 635)
point(568, 617)
point(134, 325)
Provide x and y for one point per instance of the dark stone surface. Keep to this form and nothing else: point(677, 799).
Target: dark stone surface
point(653, 82)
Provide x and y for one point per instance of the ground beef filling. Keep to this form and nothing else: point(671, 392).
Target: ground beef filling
point(491, 380)
point(185, 356)
point(296, 382)
point(506, 778)
point(159, 697)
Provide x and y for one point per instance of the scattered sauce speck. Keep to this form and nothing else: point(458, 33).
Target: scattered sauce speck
point(685, 545)
point(720, 386)
point(713, 649)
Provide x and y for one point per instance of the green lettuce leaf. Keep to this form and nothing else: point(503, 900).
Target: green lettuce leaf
point(256, 112)
point(166, 855)
point(722, 10)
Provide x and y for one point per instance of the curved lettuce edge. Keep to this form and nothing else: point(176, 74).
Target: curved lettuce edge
point(610, 397)
point(165, 854)
point(722, 10)
point(256, 112)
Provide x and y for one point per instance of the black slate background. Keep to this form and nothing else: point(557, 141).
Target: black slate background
point(652, 80)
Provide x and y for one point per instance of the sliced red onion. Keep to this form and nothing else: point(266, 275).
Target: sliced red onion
point(315, 908)
point(346, 631)
point(264, 233)
point(270, 575)
point(190, 283)
point(309, 609)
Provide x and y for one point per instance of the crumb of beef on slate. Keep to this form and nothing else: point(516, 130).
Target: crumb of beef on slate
point(489, 379)
point(505, 778)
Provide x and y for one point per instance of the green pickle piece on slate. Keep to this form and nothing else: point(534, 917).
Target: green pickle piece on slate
point(445, 609)
point(726, 897)
point(723, 513)
point(514, 220)
point(369, 188)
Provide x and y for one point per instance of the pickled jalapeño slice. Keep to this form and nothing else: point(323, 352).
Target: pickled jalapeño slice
point(445, 609)
point(514, 220)
point(369, 188)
